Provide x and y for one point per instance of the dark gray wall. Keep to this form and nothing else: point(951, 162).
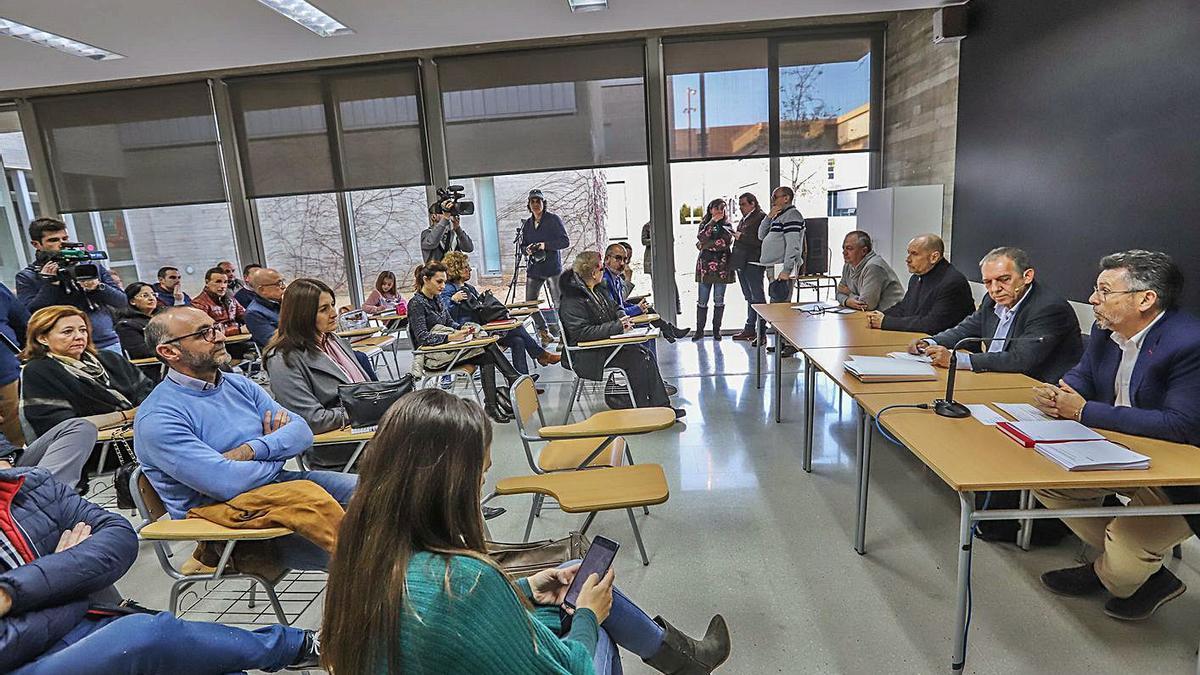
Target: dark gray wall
point(1079, 134)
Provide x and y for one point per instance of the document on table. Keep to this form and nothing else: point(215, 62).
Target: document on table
point(1102, 455)
point(816, 306)
point(1023, 412)
point(884, 369)
point(920, 358)
point(636, 332)
point(984, 415)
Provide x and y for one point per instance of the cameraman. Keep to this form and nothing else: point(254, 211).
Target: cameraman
point(444, 234)
point(543, 236)
point(39, 285)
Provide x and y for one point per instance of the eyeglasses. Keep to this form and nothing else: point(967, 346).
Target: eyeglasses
point(619, 257)
point(1103, 293)
point(208, 334)
point(278, 284)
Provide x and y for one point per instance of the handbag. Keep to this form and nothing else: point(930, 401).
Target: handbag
point(522, 560)
point(128, 463)
point(616, 397)
point(366, 402)
point(487, 308)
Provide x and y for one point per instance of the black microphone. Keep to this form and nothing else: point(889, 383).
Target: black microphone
point(947, 407)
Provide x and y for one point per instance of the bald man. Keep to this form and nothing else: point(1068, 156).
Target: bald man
point(262, 314)
point(938, 295)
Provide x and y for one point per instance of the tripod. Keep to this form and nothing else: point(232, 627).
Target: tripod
point(519, 243)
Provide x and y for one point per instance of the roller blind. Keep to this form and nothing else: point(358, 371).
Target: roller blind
point(132, 148)
point(518, 112)
point(329, 131)
point(717, 98)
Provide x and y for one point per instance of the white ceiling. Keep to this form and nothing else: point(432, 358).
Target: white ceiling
point(161, 37)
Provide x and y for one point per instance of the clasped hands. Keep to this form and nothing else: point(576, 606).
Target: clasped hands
point(1061, 401)
point(271, 423)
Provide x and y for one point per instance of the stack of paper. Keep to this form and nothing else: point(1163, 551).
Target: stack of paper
point(919, 358)
point(885, 369)
point(1100, 455)
point(816, 306)
point(1023, 412)
point(1029, 434)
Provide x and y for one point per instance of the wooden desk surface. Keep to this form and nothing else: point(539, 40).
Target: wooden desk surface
point(376, 341)
point(621, 340)
point(808, 332)
point(524, 304)
point(148, 361)
point(968, 455)
point(522, 313)
point(645, 318)
point(358, 332)
point(451, 346)
point(388, 316)
point(501, 326)
point(829, 360)
point(342, 435)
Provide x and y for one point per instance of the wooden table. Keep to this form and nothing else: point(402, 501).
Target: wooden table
point(831, 360)
point(387, 316)
point(501, 326)
point(969, 456)
point(352, 333)
point(522, 313)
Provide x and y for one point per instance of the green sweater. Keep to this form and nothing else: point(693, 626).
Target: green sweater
point(480, 627)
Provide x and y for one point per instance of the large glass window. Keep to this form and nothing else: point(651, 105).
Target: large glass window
point(717, 102)
point(545, 109)
point(387, 227)
point(303, 239)
point(824, 96)
point(18, 199)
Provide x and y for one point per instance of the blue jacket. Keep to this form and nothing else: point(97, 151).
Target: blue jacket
point(552, 233)
point(37, 291)
point(50, 592)
point(459, 313)
point(167, 298)
point(616, 288)
point(13, 322)
point(262, 318)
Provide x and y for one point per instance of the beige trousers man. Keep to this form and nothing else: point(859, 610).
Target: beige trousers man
point(1132, 548)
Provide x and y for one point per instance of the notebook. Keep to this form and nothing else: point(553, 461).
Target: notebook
point(1029, 434)
point(885, 369)
point(1101, 455)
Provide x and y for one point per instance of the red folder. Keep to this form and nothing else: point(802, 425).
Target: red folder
point(1015, 434)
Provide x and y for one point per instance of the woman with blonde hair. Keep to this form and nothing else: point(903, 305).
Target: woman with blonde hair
point(65, 376)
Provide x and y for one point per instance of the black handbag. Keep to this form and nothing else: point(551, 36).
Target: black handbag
point(366, 402)
point(124, 472)
point(487, 308)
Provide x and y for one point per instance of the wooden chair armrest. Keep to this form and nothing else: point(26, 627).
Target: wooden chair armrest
point(614, 423)
point(198, 529)
point(455, 346)
point(617, 340)
point(645, 318)
point(524, 304)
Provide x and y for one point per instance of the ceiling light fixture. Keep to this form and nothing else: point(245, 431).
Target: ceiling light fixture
point(66, 45)
point(587, 5)
point(307, 15)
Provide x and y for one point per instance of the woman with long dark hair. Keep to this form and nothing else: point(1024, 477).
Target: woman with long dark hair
point(412, 589)
point(713, 272)
point(430, 324)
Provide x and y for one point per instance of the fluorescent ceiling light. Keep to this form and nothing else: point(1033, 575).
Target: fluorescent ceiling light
point(310, 17)
point(62, 44)
point(587, 5)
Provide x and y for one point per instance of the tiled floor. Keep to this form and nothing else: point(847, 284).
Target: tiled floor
point(748, 534)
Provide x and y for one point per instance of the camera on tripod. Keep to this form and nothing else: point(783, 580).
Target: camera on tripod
point(458, 206)
point(74, 262)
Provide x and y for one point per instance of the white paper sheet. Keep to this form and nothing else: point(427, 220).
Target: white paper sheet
point(921, 358)
point(984, 415)
point(1023, 412)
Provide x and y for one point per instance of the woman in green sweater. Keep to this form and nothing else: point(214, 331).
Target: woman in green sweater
point(412, 590)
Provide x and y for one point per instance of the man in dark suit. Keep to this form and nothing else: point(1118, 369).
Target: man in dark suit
point(1140, 375)
point(1015, 311)
point(938, 295)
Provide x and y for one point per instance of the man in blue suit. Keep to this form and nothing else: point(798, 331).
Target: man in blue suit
point(1140, 375)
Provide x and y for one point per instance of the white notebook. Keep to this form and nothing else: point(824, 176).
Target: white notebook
point(1092, 456)
point(886, 369)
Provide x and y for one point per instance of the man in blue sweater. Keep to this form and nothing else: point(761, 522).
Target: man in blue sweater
point(205, 436)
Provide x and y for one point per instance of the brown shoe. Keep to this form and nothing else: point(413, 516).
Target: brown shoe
point(548, 359)
point(544, 337)
point(744, 336)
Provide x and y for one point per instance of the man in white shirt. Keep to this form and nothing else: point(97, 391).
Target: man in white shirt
point(1140, 375)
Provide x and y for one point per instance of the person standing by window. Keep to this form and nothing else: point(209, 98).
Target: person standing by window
point(543, 235)
point(713, 272)
point(747, 249)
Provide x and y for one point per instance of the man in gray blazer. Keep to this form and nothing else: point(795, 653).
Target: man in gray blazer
point(1016, 311)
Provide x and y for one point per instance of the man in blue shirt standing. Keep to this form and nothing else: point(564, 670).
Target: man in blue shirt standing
point(543, 236)
point(205, 436)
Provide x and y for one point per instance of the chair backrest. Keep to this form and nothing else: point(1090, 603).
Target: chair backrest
point(564, 351)
point(149, 505)
point(525, 403)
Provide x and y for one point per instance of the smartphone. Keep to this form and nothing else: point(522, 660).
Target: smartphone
point(597, 561)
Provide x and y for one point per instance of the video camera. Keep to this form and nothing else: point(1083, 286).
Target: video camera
point(74, 261)
point(458, 206)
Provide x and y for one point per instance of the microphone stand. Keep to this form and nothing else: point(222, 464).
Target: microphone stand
point(948, 407)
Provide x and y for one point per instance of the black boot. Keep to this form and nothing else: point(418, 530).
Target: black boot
point(671, 332)
point(701, 319)
point(491, 398)
point(681, 655)
point(718, 314)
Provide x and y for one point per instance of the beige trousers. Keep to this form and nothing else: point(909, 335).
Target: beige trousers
point(11, 426)
point(1132, 548)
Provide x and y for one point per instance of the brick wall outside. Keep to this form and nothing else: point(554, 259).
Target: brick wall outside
point(920, 108)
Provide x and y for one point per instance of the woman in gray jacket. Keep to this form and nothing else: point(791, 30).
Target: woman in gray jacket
point(307, 361)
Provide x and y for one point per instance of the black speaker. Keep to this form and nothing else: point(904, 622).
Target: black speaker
point(950, 24)
point(816, 245)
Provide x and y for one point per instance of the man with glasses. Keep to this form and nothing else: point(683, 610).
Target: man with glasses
point(204, 436)
point(262, 315)
point(1140, 375)
point(1015, 313)
point(169, 290)
point(616, 261)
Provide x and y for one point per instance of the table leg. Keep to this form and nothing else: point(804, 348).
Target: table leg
point(760, 332)
point(966, 504)
point(778, 376)
point(1027, 502)
point(864, 482)
point(810, 407)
